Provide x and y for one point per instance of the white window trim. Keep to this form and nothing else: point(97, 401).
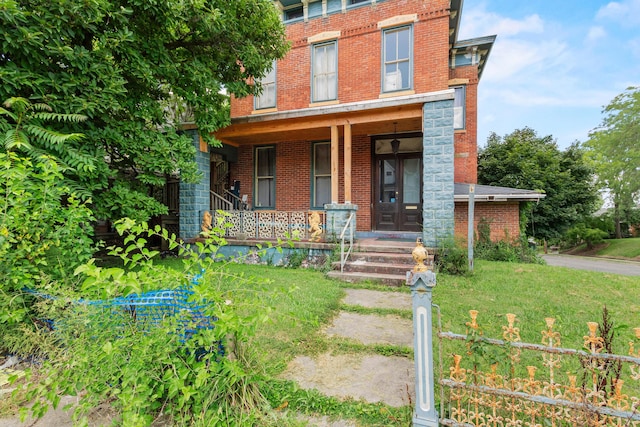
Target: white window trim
point(314, 95)
point(384, 76)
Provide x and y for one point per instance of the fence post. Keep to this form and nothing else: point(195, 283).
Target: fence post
point(421, 284)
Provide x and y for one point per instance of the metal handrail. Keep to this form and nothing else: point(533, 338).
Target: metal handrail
point(220, 203)
point(238, 203)
point(343, 256)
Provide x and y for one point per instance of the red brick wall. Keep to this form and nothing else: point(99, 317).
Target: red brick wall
point(359, 50)
point(466, 147)
point(293, 176)
point(503, 217)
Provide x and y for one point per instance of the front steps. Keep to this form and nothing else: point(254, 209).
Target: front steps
point(378, 260)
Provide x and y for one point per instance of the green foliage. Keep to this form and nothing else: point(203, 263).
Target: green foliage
point(144, 370)
point(136, 69)
point(524, 160)
point(582, 234)
point(45, 232)
point(613, 152)
point(502, 250)
point(451, 259)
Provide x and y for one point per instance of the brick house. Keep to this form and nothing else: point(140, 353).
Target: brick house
point(372, 114)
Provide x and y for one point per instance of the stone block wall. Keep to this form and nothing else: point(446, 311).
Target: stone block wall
point(195, 198)
point(438, 160)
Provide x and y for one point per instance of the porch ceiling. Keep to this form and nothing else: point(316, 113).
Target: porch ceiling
point(377, 117)
point(319, 127)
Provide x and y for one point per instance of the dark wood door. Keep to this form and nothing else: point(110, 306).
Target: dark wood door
point(398, 192)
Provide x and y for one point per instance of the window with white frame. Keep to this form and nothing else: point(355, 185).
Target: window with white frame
point(397, 48)
point(321, 184)
point(459, 110)
point(265, 177)
point(267, 99)
point(324, 72)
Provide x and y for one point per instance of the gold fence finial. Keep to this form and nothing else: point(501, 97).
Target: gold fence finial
point(420, 254)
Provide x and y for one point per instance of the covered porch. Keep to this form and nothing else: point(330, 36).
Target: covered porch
point(355, 133)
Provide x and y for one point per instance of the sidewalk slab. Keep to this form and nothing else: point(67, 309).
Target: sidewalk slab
point(378, 299)
point(372, 329)
point(387, 379)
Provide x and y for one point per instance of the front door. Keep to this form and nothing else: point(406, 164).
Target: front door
point(398, 192)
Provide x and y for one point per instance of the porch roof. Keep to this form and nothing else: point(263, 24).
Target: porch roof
point(370, 117)
point(489, 193)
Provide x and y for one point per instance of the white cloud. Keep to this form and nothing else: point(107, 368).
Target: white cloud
point(595, 33)
point(625, 12)
point(515, 58)
point(478, 22)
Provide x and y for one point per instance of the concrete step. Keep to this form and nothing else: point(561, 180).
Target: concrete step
point(367, 267)
point(387, 279)
point(395, 258)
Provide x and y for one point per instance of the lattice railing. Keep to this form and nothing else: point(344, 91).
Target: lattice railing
point(509, 383)
point(263, 224)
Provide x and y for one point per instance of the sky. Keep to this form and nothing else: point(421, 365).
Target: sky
point(554, 65)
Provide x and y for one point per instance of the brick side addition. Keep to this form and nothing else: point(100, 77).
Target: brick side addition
point(504, 219)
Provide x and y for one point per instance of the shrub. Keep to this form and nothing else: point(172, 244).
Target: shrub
point(581, 234)
point(144, 372)
point(451, 259)
point(45, 232)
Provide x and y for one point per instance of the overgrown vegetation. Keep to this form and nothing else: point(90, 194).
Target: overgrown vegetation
point(110, 355)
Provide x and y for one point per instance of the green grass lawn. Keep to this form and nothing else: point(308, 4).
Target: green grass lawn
point(621, 248)
point(531, 292)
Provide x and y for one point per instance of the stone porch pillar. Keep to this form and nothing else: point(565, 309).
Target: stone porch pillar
point(195, 198)
point(438, 184)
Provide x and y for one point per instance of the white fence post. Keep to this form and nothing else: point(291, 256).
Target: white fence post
point(421, 284)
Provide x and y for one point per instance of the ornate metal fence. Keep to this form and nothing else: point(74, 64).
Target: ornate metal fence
point(508, 383)
point(268, 224)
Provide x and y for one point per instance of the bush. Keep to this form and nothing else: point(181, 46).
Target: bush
point(45, 233)
point(451, 259)
point(581, 234)
point(144, 372)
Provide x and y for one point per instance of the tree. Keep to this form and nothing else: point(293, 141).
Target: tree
point(128, 65)
point(524, 160)
point(614, 153)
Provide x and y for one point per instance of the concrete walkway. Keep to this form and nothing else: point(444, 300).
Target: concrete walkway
point(369, 377)
point(372, 378)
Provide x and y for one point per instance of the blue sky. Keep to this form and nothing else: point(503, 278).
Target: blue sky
point(554, 65)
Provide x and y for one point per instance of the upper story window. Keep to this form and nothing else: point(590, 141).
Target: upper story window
point(265, 177)
point(359, 1)
point(294, 13)
point(324, 72)
point(397, 48)
point(459, 110)
point(267, 99)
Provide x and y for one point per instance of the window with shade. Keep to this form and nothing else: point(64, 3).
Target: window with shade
point(267, 99)
point(265, 177)
point(459, 102)
point(321, 185)
point(324, 72)
point(397, 48)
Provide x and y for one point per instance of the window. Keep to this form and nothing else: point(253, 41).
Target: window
point(397, 59)
point(267, 99)
point(324, 73)
point(358, 1)
point(294, 13)
point(265, 177)
point(459, 102)
point(321, 185)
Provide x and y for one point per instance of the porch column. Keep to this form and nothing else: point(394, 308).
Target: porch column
point(195, 198)
point(335, 162)
point(437, 188)
point(347, 163)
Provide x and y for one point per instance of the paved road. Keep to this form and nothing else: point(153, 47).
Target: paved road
point(627, 268)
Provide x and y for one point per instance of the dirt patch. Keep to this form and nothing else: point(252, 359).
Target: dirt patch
point(378, 299)
point(583, 251)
